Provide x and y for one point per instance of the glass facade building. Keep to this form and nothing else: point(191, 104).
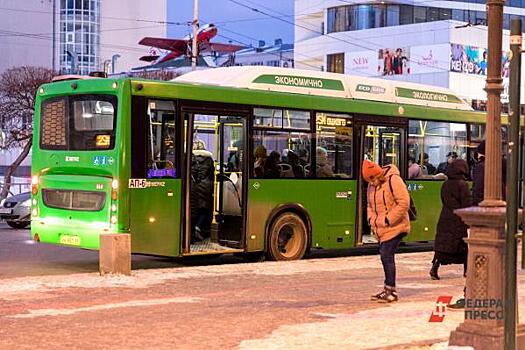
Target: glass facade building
point(365, 16)
point(79, 36)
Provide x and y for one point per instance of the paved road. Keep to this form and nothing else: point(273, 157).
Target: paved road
point(20, 256)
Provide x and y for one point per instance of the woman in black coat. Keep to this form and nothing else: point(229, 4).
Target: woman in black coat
point(449, 246)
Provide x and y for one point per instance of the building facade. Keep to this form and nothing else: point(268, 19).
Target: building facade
point(78, 36)
point(27, 33)
point(440, 43)
point(75, 36)
point(276, 55)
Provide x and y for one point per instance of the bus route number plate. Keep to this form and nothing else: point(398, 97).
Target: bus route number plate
point(137, 183)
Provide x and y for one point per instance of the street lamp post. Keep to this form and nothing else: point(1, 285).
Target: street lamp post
point(486, 308)
point(194, 48)
point(114, 62)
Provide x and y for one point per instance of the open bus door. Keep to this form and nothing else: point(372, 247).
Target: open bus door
point(383, 142)
point(214, 181)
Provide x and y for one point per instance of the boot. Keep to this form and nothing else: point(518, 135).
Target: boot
point(434, 270)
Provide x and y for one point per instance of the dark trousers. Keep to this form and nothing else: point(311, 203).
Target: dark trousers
point(387, 250)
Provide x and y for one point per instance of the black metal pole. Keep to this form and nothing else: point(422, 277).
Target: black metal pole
point(512, 185)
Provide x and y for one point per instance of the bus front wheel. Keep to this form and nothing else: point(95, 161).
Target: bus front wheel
point(287, 239)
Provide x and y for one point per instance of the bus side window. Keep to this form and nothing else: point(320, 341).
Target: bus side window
point(161, 140)
point(433, 145)
point(334, 145)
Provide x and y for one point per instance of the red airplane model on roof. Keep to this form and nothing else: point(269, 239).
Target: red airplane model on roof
point(179, 47)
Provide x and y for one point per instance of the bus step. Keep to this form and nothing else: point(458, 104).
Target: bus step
point(231, 244)
point(208, 246)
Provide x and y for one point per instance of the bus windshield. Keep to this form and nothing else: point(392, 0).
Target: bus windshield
point(81, 122)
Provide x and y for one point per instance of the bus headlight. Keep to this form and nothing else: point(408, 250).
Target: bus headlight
point(113, 219)
point(113, 207)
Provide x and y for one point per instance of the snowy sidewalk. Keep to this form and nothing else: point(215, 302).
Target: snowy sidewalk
point(307, 304)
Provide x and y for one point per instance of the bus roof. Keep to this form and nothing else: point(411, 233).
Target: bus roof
point(327, 84)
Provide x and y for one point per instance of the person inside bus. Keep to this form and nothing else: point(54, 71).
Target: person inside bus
point(303, 157)
point(201, 201)
point(324, 168)
point(431, 169)
point(271, 166)
point(260, 160)
point(414, 170)
point(293, 160)
point(442, 167)
point(234, 158)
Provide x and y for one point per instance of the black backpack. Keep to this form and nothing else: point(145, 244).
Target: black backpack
point(412, 211)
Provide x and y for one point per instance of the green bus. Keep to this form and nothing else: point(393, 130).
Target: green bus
point(248, 160)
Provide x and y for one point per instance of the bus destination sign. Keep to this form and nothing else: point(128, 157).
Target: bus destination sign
point(303, 82)
point(427, 95)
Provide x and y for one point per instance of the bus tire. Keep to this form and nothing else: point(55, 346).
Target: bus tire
point(287, 238)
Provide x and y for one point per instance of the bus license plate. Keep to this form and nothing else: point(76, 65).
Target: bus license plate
point(69, 240)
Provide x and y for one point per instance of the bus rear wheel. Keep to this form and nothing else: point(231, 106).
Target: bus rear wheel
point(288, 238)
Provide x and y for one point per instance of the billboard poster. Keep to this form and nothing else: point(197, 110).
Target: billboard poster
point(393, 61)
point(429, 58)
point(363, 62)
point(473, 60)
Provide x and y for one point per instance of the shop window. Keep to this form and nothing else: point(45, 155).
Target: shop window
point(335, 63)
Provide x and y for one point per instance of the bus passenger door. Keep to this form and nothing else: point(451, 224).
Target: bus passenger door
point(214, 173)
point(382, 144)
point(154, 184)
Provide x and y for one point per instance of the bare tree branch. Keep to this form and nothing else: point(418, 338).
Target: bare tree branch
point(18, 87)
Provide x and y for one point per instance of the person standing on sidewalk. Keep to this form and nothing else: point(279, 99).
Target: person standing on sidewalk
point(387, 211)
point(449, 246)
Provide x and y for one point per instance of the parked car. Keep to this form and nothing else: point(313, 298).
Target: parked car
point(16, 210)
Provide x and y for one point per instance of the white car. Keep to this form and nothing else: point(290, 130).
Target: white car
point(16, 210)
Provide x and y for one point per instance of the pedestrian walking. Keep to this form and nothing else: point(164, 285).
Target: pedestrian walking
point(478, 176)
point(387, 211)
point(449, 246)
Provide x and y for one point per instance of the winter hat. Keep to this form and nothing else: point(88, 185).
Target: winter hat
point(371, 169)
point(481, 148)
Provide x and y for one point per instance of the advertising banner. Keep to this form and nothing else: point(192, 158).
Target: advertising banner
point(362, 62)
point(473, 60)
point(387, 61)
point(393, 61)
point(429, 58)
